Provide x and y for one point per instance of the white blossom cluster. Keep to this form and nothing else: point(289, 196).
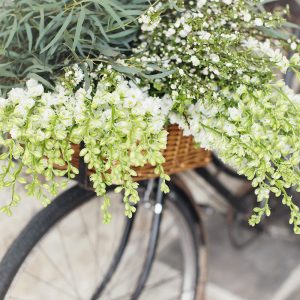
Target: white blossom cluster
point(226, 94)
point(265, 49)
point(151, 19)
point(120, 125)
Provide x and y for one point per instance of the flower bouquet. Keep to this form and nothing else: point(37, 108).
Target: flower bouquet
point(112, 75)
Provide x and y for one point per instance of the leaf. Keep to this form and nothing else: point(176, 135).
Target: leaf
point(80, 21)
point(59, 33)
point(46, 29)
point(6, 210)
point(275, 33)
point(29, 35)
point(122, 33)
point(268, 1)
point(21, 180)
point(98, 24)
point(42, 19)
point(12, 33)
point(6, 73)
point(111, 11)
point(38, 27)
point(291, 25)
point(158, 75)
point(4, 156)
point(126, 69)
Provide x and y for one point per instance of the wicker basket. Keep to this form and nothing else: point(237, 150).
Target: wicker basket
point(180, 154)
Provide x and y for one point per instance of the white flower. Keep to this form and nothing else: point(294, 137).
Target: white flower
point(170, 32)
point(258, 22)
point(251, 43)
point(181, 72)
point(280, 59)
point(228, 2)
point(195, 61)
point(21, 110)
point(78, 74)
point(241, 89)
point(34, 88)
point(46, 115)
point(145, 19)
point(15, 132)
point(246, 16)
point(40, 135)
point(235, 113)
point(82, 94)
point(157, 124)
point(295, 59)
point(265, 48)
point(3, 103)
point(146, 106)
point(201, 3)
point(215, 58)
point(28, 103)
point(151, 26)
point(132, 97)
point(257, 130)
point(15, 95)
point(185, 31)
point(293, 46)
point(230, 129)
point(205, 71)
point(204, 35)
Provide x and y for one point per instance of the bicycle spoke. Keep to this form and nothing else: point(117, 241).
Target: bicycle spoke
point(94, 251)
point(97, 265)
point(164, 242)
point(66, 256)
point(54, 265)
point(50, 285)
point(123, 296)
point(161, 282)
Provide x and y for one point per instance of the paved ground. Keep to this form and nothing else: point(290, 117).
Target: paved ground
point(267, 269)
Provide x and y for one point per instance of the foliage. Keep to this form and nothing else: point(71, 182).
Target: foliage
point(39, 38)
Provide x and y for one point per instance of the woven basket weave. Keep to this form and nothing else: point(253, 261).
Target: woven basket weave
point(180, 154)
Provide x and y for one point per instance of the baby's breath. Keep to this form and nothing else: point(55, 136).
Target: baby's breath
point(226, 92)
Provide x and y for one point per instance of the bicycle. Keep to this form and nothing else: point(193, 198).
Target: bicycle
point(179, 206)
point(172, 216)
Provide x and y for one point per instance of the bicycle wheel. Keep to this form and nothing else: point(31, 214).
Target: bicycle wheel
point(64, 252)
